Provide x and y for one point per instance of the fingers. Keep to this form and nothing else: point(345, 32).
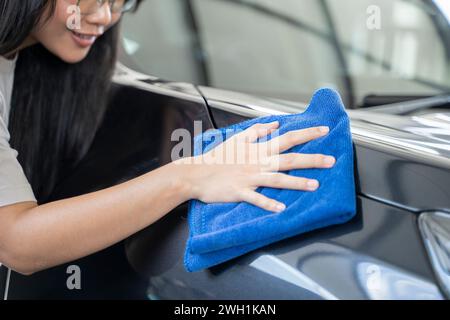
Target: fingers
point(292, 161)
point(256, 131)
point(295, 137)
point(278, 181)
point(284, 181)
point(262, 201)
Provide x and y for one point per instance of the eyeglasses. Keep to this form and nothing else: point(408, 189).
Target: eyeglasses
point(116, 6)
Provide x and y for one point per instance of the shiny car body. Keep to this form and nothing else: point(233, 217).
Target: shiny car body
point(397, 246)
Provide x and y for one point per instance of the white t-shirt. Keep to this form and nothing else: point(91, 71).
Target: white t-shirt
point(14, 186)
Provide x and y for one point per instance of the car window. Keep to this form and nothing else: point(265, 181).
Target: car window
point(288, 48)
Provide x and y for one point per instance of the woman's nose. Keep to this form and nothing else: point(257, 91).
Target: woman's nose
point(102, 16)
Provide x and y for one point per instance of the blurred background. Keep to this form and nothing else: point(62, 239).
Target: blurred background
point(370, 50)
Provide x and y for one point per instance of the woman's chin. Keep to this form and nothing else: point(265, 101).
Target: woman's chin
point(74, 56)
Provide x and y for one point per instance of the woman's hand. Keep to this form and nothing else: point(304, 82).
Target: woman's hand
point(234, 169)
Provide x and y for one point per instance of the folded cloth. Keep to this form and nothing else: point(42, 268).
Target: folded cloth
point(221, 231)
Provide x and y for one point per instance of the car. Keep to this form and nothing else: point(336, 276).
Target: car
point(224, 61)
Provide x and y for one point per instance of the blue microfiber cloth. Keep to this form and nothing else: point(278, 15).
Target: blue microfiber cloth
point(222, 231)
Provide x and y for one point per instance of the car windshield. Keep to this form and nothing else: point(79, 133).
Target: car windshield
point(286, 49)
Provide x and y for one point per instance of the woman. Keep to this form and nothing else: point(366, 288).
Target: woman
point(54, 80)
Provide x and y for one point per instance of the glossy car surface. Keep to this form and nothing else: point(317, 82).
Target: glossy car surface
point(401, 170)
point(402, 164)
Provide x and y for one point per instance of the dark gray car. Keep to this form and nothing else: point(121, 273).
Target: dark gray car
point(231, 60)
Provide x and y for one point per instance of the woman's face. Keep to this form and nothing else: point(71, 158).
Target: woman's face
point(69, 45)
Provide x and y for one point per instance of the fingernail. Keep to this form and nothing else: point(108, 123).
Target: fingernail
point(324, 129)
point(312, 184)
point(329, 161)
point(280, 207)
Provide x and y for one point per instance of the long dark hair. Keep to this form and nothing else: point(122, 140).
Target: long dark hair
point(56, 107)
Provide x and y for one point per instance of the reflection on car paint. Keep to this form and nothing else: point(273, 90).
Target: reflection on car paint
point(435, 229)
point(278, 268)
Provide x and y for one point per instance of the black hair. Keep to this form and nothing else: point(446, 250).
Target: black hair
point(56, 107)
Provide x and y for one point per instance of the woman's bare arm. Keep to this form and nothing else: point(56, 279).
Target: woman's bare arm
point(34, 238)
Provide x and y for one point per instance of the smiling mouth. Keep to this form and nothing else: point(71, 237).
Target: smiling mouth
point(83, 40)
point(84, 36)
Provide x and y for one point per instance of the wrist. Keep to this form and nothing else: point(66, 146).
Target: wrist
point(184, 173)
